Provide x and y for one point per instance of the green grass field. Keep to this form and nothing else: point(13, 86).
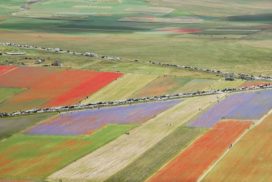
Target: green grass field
point(34, 55)
point(35, 157)
point(11, 6)
point(153, 159)
point(5, 93)
point(239, 55)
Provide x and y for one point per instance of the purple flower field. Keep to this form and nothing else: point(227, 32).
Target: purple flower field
point(87, 121)
point(248, 106)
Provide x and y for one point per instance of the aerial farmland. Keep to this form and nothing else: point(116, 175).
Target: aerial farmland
point(135, 91)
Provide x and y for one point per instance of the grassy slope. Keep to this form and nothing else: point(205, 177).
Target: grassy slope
point(229, 55)
point(82, 62)
point(219, 8)
point(9, 126)
point(233, 51)
point(36, 157)
point(7, 7)
point(34, 55)
point(153, 159)
point(255, 165)
point(226, 54)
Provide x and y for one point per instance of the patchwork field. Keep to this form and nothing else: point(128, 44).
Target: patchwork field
point(249, 159)
point(154, 158)
point(35, 157)
point(115, 156)
point(45, 87)
point(136, 85)
point(87, 121)
point(194, 51)
point(174, 84)
point(163, 85)
point(191, 163)
point(10, 126)
point(123, 88)
point(248, 106)
point(113, 50)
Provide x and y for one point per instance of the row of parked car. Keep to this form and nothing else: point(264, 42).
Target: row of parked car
point(135, 100)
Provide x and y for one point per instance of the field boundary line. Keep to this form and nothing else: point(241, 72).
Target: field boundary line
point(39, 122)
point(135, 101)
point(252, 126)
point(10, 70)
point(182, 150)
point(135, 132)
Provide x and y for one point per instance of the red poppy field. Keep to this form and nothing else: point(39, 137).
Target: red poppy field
point(4, 69)
point(250, 159)
point(47, 87)
point(87, 87)
point(190, 164)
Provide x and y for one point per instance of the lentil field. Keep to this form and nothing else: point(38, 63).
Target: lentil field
point(245, 106)
point(86, 122)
